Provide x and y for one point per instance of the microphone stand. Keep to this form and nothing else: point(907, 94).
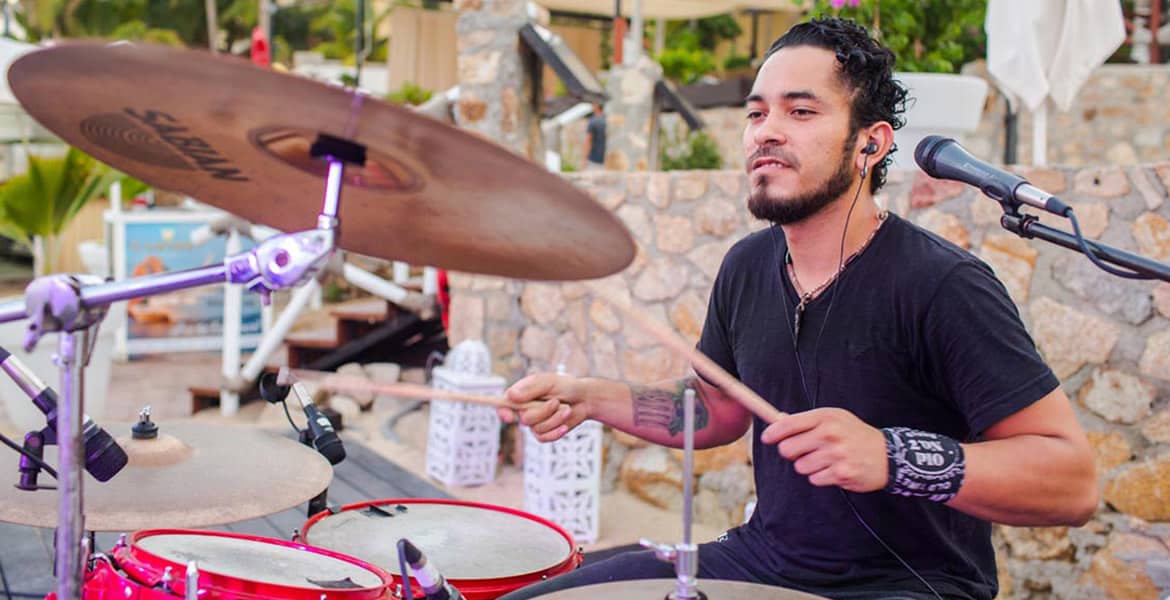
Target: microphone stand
point(1029, 226)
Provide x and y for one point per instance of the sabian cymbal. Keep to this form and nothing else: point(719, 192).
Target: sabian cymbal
point(653, 589)
point(192, 475)
point(237, 136)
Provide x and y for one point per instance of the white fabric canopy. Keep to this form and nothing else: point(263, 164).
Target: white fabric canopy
point(668, 9)
point(1041, 49)
point(10, 50)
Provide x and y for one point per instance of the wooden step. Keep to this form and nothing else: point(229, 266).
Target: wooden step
point(322, 337)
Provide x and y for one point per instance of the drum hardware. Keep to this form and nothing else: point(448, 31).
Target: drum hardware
point(274, 391)
point(191, 589)
point(684, 556)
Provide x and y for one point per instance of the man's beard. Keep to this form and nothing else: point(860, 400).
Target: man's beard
point(793, 209)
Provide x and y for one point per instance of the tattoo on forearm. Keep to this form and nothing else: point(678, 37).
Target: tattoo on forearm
point(664, 408)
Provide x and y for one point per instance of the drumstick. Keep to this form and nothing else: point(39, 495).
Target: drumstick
point(343, 383)
point(704, 366)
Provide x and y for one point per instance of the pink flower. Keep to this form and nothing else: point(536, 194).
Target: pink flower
point(842, 3)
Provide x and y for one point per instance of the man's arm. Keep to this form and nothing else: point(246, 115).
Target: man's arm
point(652, 412)
point(1035, 467)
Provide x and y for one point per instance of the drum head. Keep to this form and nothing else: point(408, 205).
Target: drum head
point(260, 562)
point(464, 541)
point(647, 589)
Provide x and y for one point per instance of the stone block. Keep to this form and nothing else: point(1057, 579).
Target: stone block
point(1014, 262)
point(1047, 179)
point(688, 314)
point(537, 343)
point(1162, 298)
point(1153, 197)
point(718, 218)
point(570, 353)
point(472, 109)
point(674, 235)
point(927, 191)
point(467, 318)
point(709, 256)
point(658, 189)
point(661, 280)
point(651, 365)
point(499, 306)
point(652, 475)
point(605, 356)
point(729, 185)
point(946, 225)
point(1102, 182)
point(1110, 449)
point(720, 457)
point(637, 219)
point(542, 302)
point(577, 319)
point(689, 185)
point(1140, 489)
point(1119, 569)
point(1111, 295)
point(479, 68)
point(1155, 361)
point(1157, 428)
point(1117, 396)
point(635, 336)
point(1069, 338)
point(501, 340)
point(1152, 233)
point(1038, 543)
point(603, 316)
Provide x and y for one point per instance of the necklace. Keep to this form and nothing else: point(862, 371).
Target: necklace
point(806, 297)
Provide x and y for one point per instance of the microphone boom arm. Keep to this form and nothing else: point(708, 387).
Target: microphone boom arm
point(1028, 226)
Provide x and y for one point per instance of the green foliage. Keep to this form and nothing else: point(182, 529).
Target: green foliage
point(937, 36)
point(137, 31)
point(698, 151)
point(42, 201)
point(410, 93)
point(690, 46)
point(736, 61)
point(686, 65)
point(568, 167)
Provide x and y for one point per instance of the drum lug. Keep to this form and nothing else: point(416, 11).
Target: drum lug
point(296, 536)
point(191, 587)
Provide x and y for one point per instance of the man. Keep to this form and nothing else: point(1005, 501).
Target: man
point(918, 410)
point(595, 139)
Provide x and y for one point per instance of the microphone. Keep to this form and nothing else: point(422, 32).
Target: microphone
point(325, 438)
point(434, 586)
point(103, 456)
point(944, 158)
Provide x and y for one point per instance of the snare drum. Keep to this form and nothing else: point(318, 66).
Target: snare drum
point(233, 566)
point(484, 551)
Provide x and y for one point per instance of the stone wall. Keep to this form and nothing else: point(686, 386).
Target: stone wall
point(1106, 338)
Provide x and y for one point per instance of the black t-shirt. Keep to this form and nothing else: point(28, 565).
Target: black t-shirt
point(921, 334)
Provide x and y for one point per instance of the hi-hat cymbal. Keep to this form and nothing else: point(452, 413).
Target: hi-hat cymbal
point(237, 136)
point(653, 589)
point(192, 475)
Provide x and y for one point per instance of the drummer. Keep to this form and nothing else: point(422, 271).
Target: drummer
point(876, 337)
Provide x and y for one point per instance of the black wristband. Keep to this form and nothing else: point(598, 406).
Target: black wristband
point(923, 464)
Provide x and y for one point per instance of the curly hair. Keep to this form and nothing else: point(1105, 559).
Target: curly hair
point(866, 69)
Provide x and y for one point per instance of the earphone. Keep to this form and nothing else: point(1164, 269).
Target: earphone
point(870, 148)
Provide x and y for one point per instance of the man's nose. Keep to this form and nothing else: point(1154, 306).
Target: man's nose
point(769, 132)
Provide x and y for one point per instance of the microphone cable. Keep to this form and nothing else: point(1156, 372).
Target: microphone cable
point(816, 352)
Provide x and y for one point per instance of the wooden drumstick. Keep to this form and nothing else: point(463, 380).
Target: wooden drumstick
point(704, 366)
point(343, 383)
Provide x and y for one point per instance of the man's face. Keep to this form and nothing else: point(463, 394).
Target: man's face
point(797, 134)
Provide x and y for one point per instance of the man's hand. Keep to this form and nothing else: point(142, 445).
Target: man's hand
point(549, 404)
point(832, 447)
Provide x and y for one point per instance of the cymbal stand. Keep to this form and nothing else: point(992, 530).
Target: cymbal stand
point(685, 556)
point(71, 305)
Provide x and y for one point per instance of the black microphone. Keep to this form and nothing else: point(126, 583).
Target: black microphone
point(103, 456)
point(434, 586)
point(325, 438)
point(944, 158)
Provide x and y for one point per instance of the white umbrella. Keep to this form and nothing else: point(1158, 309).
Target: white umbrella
point(1041, 49)
point(667, 9)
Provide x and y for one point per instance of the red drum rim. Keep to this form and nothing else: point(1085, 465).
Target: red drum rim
point(474, 589)
point(147, 568)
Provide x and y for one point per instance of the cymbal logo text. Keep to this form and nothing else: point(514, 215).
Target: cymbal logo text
point(178, 137)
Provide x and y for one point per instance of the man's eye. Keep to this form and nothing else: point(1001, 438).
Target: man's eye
point(754, 114)
point(803, 112)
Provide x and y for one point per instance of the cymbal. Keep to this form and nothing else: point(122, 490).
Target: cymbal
point(237, 136)
point(653, 589)
point(192, 475)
